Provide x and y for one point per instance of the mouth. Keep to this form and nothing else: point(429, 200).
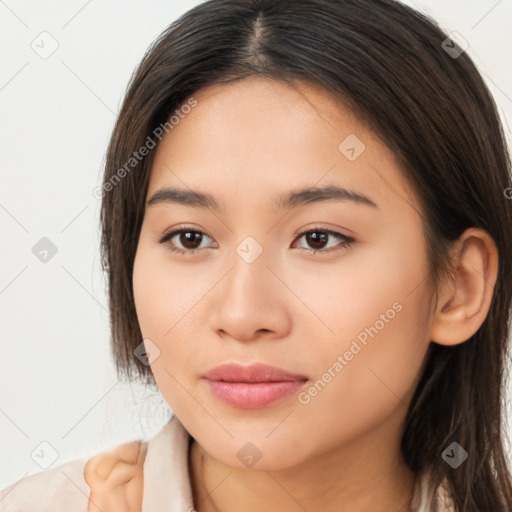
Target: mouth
point(252, 387)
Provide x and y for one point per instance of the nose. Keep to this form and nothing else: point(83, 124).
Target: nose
point(251, 302)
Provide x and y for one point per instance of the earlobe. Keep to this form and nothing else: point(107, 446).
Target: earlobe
point(465, 299)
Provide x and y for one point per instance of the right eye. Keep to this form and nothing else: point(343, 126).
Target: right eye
point(189, 239)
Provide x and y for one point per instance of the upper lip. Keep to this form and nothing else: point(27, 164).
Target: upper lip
point(257, 372)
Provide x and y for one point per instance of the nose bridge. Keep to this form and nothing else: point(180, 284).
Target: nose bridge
point(250, 250)
point(251, 298)
point(249, 279)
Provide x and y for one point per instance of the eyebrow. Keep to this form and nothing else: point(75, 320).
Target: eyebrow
point(289, 201)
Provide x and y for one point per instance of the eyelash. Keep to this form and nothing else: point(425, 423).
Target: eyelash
point(346, 241)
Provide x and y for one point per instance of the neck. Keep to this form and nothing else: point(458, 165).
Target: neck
point(362, 478)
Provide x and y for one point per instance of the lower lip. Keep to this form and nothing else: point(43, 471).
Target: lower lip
point(255, 395)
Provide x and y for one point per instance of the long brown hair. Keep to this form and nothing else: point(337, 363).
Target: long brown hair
point(396, 70)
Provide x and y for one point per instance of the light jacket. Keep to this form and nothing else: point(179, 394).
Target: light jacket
point(158, 467)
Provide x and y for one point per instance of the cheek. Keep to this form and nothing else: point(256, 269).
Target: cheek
point(371, 385)
point(150, 304)
point(167, 304)
point(164, 298)
point(368, 290)
point(369, 365)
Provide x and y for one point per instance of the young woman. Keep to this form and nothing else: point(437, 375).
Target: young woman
point(306, 232)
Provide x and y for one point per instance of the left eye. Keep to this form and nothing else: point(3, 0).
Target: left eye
point(318, 238)
point(191, 240)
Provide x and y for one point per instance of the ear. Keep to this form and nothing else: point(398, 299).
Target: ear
point(464, 301)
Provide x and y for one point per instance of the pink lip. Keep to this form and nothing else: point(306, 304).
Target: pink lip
point(252, 387)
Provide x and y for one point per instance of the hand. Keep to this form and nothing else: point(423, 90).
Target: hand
point(116, 478)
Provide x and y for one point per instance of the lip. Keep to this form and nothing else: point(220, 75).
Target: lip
point(252, 387)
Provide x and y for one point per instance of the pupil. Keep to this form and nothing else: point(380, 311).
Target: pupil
point(187, 239)
point(313, 238)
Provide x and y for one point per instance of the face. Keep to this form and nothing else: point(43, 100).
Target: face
point(330, 286)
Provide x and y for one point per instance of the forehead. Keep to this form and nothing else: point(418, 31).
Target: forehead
point(256, 139)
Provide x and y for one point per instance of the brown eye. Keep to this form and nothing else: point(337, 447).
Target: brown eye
point(190, 239)
point(317, 240)
point(185, 241)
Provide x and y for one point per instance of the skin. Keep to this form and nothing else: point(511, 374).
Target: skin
point(116, 478)
point(247, 143)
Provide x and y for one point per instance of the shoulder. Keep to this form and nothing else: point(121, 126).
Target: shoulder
point(152, 475)
point(47, 490)
point(107, 482)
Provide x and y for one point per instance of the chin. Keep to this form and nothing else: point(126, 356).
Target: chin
point(254, 453)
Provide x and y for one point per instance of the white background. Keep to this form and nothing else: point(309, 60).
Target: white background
point(57, 380)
